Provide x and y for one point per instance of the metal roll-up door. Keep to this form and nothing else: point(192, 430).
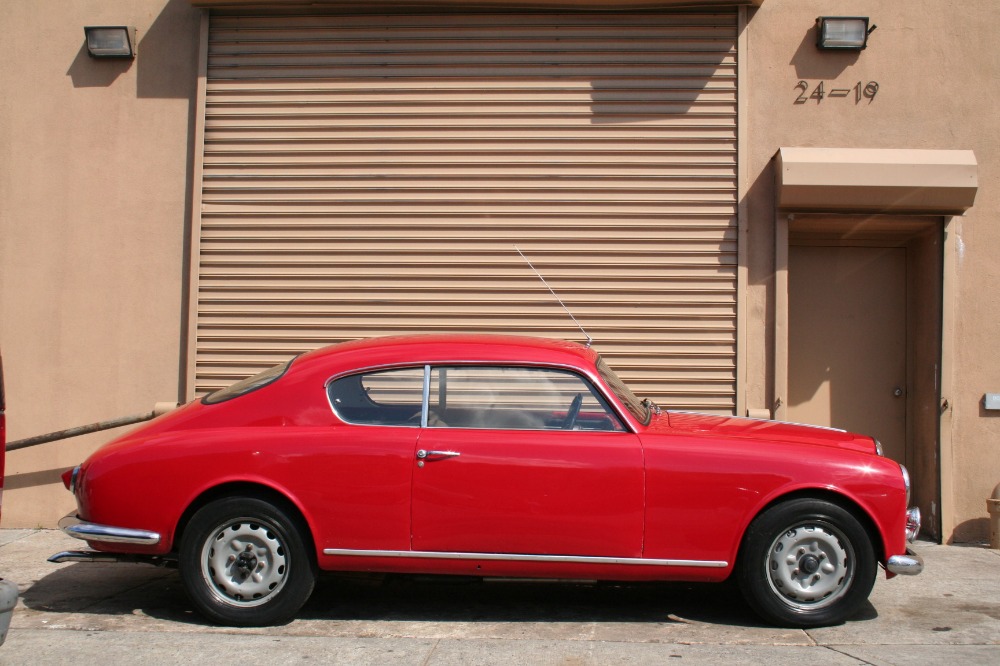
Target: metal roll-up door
point(370, 174)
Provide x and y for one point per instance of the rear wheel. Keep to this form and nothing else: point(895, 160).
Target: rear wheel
point(244, 562)
point(806, 563)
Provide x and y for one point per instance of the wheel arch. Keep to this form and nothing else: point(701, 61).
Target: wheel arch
point(253, 490)
point(843, 501)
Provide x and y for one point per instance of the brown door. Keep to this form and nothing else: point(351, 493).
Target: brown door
point(847, 341)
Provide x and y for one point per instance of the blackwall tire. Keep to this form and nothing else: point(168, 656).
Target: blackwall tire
point(244, 562)
point(806, 563)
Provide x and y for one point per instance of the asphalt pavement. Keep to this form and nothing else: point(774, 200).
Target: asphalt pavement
point(138, 614)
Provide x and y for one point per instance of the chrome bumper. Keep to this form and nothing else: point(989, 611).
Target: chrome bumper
point(79, 529)
point(905, 565)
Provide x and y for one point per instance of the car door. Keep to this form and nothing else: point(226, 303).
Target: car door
point(524, 461)
point(364, 496)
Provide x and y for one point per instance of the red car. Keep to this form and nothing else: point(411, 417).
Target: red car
point(487, 456)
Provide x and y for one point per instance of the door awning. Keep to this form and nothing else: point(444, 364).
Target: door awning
point(871, 180)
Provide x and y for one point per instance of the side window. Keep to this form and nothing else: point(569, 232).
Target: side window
point(384, 397)
point(516, 398)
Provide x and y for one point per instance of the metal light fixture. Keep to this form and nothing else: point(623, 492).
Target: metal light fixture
point(110, 41)
point(842, 33)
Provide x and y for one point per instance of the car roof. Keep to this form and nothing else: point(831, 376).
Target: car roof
point(460, 348)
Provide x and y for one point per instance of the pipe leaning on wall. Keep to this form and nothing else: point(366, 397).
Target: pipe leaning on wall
point(158, 409)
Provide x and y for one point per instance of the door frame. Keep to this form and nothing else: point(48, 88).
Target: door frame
point(950, 231)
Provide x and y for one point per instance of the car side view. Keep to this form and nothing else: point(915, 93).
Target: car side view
point(487, 456)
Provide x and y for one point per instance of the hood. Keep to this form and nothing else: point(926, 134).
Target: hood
point(758, 430)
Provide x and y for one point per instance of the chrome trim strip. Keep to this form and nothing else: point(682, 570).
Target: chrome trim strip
point(74, 479)
point(559, 559)
point(910, 564)
point(595, 380)
point(79, 529)
point(906, 483)
point(426, 398)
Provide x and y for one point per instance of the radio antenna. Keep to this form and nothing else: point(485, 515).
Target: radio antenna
point(590, 340)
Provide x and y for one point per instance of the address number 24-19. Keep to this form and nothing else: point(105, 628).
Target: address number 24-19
point(861, 91)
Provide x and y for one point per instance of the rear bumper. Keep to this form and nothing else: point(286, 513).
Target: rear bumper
point(79, 529)
point(910, 564)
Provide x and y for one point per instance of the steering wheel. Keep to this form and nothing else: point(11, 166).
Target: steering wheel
point(574, 411)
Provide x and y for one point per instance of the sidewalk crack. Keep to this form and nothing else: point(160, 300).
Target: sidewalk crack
point(430, 654)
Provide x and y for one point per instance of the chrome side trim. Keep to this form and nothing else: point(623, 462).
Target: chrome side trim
point(79, 529)
point(906, 484)
point(504, 557)
point(910, 564)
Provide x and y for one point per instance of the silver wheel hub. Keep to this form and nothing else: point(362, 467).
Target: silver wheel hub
point(810, 566)
point(244, 562)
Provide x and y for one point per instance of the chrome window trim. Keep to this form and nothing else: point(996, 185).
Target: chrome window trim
point(504, 557)
point(426, 397)
point(508, 429)
point(595, 381)
point(380, 368)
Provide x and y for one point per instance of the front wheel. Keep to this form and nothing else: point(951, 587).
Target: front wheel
point(244, 562)
point(806, 563)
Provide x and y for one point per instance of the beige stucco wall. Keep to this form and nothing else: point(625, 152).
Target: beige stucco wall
point(95, 193)
point(939, 83)
point(94, 186)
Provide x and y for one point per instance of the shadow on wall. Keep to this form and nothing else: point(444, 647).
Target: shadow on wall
point(87, 72)
point(973, 531)
point(167, 59)
point(812, 63)
point(32, 479)
point(759, 202)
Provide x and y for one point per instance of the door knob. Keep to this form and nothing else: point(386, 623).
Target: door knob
point(898, 392)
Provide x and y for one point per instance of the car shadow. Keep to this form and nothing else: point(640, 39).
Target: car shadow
point(110, 589)
point(457, 599)
point(130, 589)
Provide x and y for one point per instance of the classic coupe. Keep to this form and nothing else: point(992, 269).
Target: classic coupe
point(487, 456)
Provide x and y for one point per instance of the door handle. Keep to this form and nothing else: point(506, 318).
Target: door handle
point(422, 454)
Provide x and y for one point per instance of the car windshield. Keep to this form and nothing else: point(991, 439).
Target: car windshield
point(638, 408)
point(247, 385)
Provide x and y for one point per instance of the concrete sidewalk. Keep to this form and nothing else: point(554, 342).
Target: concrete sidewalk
point(126, 613)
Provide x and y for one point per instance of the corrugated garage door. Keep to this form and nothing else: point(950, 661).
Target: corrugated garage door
point(368, 175)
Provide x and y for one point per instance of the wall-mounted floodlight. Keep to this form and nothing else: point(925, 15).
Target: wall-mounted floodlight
point(842, 33)
point(111, 41)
